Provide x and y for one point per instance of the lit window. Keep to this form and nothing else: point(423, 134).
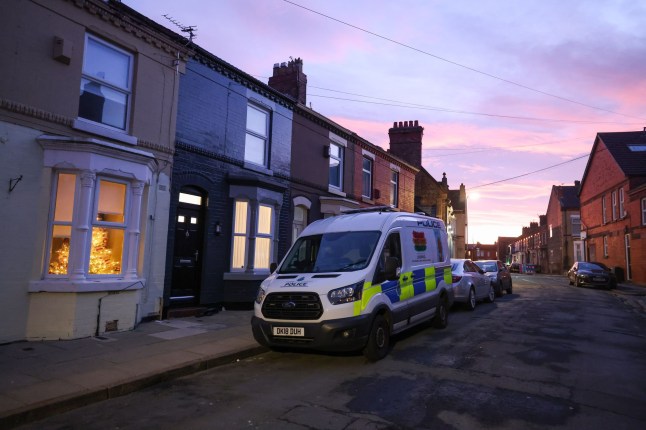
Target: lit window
point(62, 224)
point(101, 249)
point(261, 259)
point(367, 178)
point(190, 199)
point(263, 238)
point(394, 188)
point(240, 235)
point(106, 84)
point(255, 149)
point(108, 229)
point(336, 166)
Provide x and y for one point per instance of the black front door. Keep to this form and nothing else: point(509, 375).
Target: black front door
point(187, 258)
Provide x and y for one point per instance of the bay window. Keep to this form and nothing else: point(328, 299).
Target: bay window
point(253, 236)
point(89, 224)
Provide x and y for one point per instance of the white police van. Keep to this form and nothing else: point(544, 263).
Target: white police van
point(351, 281)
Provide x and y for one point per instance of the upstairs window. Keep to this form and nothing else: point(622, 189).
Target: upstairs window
point(614, 205)
point(366, 190)
point(622, 208)
point(644, 211)
point(257, 139)
point(604, 215)
point(106, 84)
point(576, 225)
point(336, 166)
point(394, 188)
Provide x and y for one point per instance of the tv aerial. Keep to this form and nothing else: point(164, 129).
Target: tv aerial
point(190, 29)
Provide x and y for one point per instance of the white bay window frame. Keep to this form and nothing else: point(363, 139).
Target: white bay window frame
point(254, 224)
point(90, 161)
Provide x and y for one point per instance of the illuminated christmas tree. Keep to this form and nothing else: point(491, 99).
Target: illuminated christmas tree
point(59, 266)
point(101, 261)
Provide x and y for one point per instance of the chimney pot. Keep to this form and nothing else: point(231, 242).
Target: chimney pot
point(416, 123)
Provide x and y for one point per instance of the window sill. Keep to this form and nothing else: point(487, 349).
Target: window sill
point(336, 191)
point(94, 128)
point(258, 168)
point(246, 276)
point(367, 200)
point(85, 286)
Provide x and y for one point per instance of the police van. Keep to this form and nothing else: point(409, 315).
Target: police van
point(351, 281)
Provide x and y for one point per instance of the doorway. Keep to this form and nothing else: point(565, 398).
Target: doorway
point(188, 248)
point(628, 268)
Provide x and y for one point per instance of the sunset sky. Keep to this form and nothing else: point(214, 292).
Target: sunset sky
point(504, 89)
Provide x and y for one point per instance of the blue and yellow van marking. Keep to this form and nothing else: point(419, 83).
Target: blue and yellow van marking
point(410, 284)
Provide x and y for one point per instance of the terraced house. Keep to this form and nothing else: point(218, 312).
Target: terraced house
point(87, 127)
point(613, 204)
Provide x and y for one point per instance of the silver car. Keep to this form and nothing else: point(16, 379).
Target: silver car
point(470, 284)
point(498, 273)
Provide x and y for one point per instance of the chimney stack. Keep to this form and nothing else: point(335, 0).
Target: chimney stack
point(406, 141)
point(289, 79)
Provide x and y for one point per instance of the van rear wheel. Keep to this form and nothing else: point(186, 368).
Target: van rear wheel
point(378, 340)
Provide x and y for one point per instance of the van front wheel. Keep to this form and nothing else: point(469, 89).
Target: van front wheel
point(379, 339)
point(441, 319)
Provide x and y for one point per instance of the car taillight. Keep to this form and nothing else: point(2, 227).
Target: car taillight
point(456, 278)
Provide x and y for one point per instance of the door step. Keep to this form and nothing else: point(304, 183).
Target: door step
point(186, 312)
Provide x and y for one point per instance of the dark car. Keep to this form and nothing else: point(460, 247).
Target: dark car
point(591, 274)
point(498, 273)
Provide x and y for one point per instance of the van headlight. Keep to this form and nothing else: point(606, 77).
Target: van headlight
point(347, 294)
point(260, 296)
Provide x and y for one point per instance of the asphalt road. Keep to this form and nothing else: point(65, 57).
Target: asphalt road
point(547, 356)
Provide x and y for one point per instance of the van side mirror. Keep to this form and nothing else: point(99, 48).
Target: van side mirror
point(273, 267)
point(391, 268)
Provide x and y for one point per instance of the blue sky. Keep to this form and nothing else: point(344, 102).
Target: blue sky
point(502, 88)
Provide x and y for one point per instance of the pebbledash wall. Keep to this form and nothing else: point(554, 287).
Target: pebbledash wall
point(46, 141)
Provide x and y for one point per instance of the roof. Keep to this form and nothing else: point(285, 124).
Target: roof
point(632, 163)
point(569, 197)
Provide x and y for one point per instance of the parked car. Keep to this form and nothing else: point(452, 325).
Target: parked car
point(514, 268)
point(470, 284)
point(591, 274)
point(498, 273)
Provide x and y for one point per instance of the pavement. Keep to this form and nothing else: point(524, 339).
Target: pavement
point(40, 379)
point(44, 378)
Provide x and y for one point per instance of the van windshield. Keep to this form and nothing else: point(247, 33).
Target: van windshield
point(331, 252)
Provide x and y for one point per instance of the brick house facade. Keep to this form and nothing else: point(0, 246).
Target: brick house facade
point(564, 245)
point(613, 203)
point(334, 170)
point(431, 196)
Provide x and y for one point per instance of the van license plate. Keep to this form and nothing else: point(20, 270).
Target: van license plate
point(289, 331)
